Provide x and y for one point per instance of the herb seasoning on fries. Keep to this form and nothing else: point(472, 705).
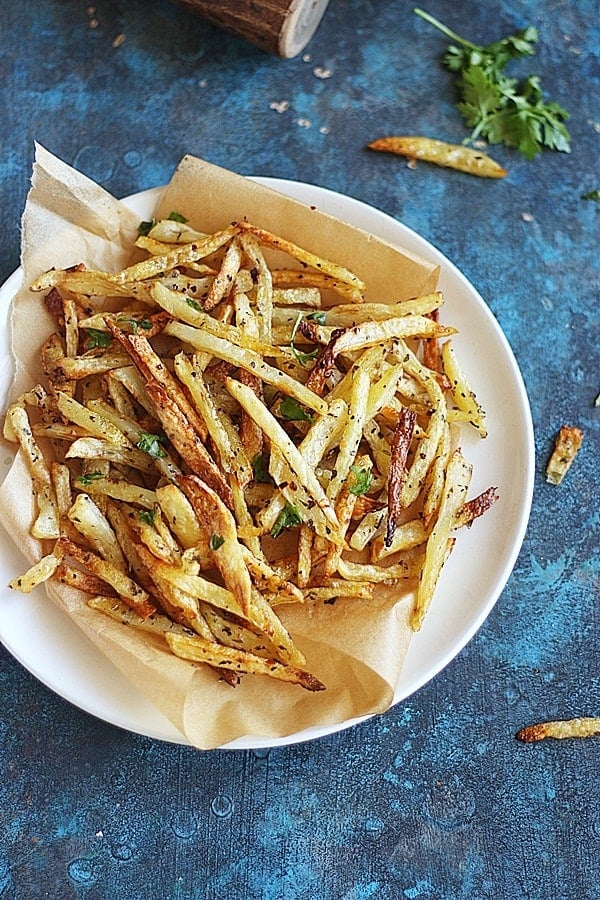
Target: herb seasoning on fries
point(216, 436)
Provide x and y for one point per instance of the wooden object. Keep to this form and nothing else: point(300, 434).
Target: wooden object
point(281, 27)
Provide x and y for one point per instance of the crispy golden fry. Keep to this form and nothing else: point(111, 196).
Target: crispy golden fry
point(91, 422)
point(225, 277)
point(95, 449)
point(135, 596)
point(89, 520)
point(568, 728)
point(373, 574)
point(401, 442)
point(352, 434)
point(197, 650)
point(37, 574)
point(460, 389)
point(217, 520)
point(428, 446)
point(458, 477)
point(320, 281)
point(46, 524)
point(406, 536)
point(84, 581)
point(567, 444)
point(476, 507)
point(453, 156)
point(187, 443)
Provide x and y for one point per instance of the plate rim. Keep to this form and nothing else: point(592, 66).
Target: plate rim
point(167, 732)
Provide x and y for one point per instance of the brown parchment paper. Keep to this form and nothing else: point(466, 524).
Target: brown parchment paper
point(356, 649)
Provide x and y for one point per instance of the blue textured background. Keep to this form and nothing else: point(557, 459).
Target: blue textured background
point(434, 799)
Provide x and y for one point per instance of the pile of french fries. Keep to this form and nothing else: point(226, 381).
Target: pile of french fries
point(217, 435)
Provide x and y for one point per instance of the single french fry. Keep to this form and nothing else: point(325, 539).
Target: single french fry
point(458, 477)
point(239, 661)
point(561, 729)
point(41, 571)
point(453, 156)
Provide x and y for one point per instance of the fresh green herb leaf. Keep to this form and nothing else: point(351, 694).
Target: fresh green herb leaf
point(293, 412)
point(302, 358)
point(361, 481)
point(319, 317)
point(260, 468)
point(144, 228)
point(592, 195)
point(97, 338)
point(147, 515)
point(151, 444)
point(194, 304)
point(289, 516)
point(501, 109)
point(90, 477)
point(216, 541)
point(134, 324)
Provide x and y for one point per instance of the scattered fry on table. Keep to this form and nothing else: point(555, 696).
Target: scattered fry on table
point(452, 156)
point(566, 447)
point(559, 729)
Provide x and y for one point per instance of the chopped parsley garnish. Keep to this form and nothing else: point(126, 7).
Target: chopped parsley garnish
point(97, 338)
point(288, 517)
point(361, 481)
point(151, 444)
point(216, 541)
point(147, 515)
point(592, 195)
point(319, 317)
point(144, 228)
point(302, 358)
point(194, 304)
point(90, 477)
point(501, 109)
point(260, 469)
point(135, 324)
point(292, 411)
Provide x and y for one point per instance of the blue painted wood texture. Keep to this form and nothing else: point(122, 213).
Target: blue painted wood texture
point(435, 799)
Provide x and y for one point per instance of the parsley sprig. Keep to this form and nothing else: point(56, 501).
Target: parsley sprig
point(289, 516)
point(501, 109)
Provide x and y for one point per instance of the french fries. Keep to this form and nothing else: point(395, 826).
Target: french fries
point(218, 436)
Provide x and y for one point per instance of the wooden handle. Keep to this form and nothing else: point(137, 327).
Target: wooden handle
point(281, 27)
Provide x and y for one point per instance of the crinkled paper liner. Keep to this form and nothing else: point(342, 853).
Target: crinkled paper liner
point(355, 647)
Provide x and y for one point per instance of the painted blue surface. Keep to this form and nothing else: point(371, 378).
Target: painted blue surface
point(434, 799)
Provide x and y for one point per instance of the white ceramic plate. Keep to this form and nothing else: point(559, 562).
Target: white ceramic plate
point(53, 649)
